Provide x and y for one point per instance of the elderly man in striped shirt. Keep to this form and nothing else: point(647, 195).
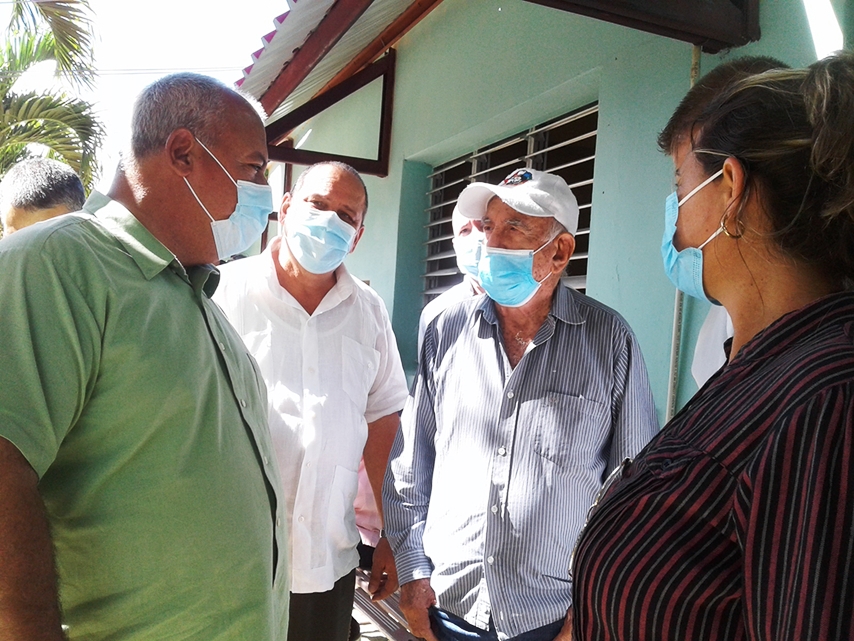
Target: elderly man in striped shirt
point(524, 400)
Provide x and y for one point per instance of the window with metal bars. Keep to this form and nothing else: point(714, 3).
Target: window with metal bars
point(565, 146)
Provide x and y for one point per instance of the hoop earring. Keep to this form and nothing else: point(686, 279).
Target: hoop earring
point(739, 225)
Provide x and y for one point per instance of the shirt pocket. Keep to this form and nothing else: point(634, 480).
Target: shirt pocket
point(569, 429)
point(358, 371)
point(341, 519)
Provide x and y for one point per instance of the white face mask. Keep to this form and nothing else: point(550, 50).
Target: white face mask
point(507, 275)
point(684, 268)
point(468, 250)
point(247, 222)
point(317, 239)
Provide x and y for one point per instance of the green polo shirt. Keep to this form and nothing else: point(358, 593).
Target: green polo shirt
point(138, 406)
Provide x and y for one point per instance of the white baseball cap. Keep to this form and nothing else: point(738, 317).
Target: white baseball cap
point(528, 191)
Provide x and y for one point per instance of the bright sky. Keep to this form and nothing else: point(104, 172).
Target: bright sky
point(137, 42)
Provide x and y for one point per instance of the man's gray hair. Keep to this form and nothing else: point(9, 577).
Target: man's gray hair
point(190, 101)
point(557, 229)
point(41, 183)
point(338, 165)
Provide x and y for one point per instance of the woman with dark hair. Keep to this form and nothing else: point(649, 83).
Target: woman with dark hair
point(737, 520)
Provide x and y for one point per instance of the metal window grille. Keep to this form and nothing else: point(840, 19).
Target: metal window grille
point(565, 146)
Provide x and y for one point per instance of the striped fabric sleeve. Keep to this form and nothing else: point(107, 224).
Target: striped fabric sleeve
point(406, 489)
point(795, 519)
point(632, 407)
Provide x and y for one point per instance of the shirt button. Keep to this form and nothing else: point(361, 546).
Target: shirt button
point(494, 509)
point(490, 560)
point(301, 519)
point(278, 522)
point(502, 451)
point(222, 346)
point(510, 394)
point(266, 460)
point(243, 402)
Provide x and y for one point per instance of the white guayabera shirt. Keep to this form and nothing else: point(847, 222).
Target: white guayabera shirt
point(328, 375)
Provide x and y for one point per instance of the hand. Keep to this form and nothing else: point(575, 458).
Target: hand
point(565, 633)
point(383, 572)
point(415, 598)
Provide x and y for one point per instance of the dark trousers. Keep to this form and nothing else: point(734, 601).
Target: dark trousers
point(323, 615)
point(449, 627)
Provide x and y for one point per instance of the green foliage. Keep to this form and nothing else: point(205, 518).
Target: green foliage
point(70, 24)
point(58, 30)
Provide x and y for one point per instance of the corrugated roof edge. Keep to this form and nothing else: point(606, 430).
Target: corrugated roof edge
point(266, 39)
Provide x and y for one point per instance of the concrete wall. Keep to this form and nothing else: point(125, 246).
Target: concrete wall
point(474, 72)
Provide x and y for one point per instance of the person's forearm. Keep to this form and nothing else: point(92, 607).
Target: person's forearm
point(381, 435)
point(29, 605)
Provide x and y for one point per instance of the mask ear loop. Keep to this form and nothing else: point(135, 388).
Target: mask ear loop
point(216, 160)
point(193, 191)
point(548, 242)
point(739, 224)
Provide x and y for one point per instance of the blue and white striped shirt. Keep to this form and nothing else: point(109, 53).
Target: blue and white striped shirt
point(494, 468)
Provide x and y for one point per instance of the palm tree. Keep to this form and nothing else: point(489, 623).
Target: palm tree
point(67, 126)
point(70, 23)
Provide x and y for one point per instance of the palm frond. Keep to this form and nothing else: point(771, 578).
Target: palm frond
point(70, 23)
point(11, 156)
point(19, 53)
point(67, 126)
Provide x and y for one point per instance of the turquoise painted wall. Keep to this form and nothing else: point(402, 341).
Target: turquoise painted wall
point(474, 72)
point(356, 125)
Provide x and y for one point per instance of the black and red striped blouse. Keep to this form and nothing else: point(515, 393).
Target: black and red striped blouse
point(737, 520)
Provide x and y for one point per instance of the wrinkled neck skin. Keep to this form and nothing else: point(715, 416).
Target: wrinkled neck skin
point(307, 288)
point(520, 324)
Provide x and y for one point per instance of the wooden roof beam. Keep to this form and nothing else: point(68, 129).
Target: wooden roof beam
point(339, 19)
point(284, 152)
point(416, 12)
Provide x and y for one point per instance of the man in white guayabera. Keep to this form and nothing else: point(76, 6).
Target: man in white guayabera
point(335, 383)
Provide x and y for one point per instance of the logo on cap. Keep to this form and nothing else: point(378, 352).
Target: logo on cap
point(518, 177)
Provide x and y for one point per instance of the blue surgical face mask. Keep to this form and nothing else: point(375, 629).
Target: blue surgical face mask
point(245, 225)
point(468, 250)
point(318, 240)
point(684, 268)
point(507, 276)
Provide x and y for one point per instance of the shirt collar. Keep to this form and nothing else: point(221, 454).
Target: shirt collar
point(343, 288)
point(150, 255)
point(203, 278)
point(563, 308)
point(794, 326)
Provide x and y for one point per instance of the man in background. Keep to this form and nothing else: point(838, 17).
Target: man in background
point(468, 241)
point(324, 343)
point(37, 189)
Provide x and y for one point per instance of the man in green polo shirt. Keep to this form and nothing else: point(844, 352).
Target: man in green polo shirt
point(138, 489)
